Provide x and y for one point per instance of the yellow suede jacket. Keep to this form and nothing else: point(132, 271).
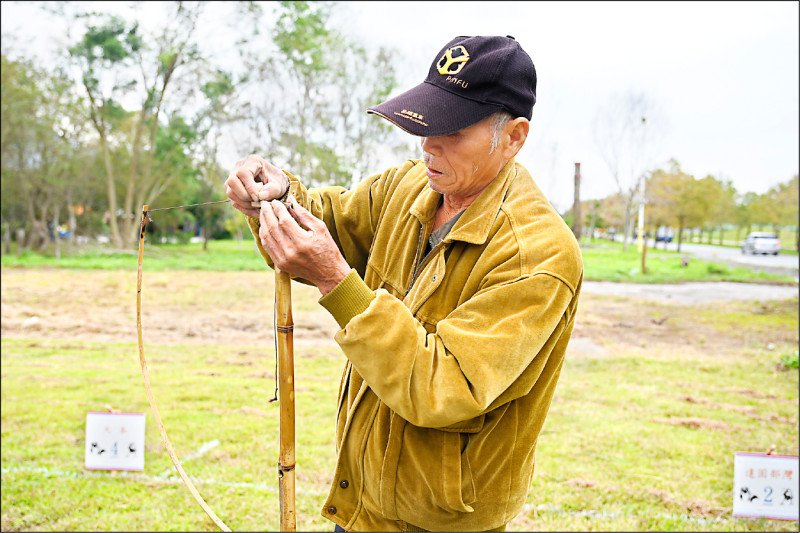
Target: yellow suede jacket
point(452, 362)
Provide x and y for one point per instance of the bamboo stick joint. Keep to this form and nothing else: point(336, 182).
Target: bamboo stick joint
point(285, 468)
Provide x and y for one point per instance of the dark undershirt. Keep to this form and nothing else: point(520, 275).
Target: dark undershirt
point(439, 234)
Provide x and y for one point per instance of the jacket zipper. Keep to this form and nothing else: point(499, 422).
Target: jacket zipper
point(421, 265)
point(422, 230)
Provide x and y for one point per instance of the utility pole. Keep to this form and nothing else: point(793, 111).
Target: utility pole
point(576, 205)
point(642, 200)
point(640, 223)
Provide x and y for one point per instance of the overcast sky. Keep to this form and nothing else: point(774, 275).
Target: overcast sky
point(722, 75)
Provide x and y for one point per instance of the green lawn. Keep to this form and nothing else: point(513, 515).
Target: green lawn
point(652, 403)
point(222, 255)
point(603, 261)
point(638, 437)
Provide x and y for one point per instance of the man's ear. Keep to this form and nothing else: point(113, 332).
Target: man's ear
point(516, 131)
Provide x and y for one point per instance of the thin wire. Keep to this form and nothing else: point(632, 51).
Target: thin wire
point(275, 301)
point(190, 205)
point(275, 336)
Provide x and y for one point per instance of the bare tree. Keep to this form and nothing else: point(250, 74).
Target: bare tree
point(624, 133)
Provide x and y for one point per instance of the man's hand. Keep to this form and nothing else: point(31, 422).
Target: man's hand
point(252, 180)
point(310, 254)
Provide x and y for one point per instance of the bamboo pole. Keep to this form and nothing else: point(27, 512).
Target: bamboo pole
point(286, 461)
point(151, 397)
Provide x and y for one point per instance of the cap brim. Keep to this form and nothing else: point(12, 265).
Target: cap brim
point(429, 111)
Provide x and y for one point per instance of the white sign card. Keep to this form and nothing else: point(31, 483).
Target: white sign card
point(115, 441)
point(765, 486)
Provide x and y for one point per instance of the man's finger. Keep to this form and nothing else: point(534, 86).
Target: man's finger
point(267, 217)
point(247, 209)
point(235, 190)
point(301, 214)
point(271, 190)
point(270, 231)
point(247, 176)
point(287, 222)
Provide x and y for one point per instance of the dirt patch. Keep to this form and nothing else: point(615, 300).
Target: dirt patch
point(606, 321)
point(693, 507)
point(236, 308)
point(747, 410)
point(193, 307)
point(697, 423)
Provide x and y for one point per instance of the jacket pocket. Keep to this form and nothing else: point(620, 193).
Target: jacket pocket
point(458, 486)
point(391, 459)
point(426, 471)
point(458, 483)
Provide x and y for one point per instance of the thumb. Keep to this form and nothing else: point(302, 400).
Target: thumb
point(300, 213)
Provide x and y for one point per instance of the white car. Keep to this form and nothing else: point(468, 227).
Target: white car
point(761, 242)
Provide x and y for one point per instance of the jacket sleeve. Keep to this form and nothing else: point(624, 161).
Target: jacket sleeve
point(350, 215)
point(476, 359)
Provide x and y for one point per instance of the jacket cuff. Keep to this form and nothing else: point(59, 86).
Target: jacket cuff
point(349, 298)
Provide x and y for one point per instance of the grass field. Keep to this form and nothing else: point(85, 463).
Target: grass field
point(603, 260)
point(606, 261)
point(653, 401)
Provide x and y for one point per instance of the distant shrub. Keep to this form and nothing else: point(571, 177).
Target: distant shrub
point(716, 268)
point(788, 361)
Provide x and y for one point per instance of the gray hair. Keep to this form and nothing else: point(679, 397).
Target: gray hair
point(499, 120)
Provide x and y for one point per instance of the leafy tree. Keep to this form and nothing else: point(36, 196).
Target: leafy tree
point(174, 88)
point(154, 108)
point(678, 198)
point(660, 190)
point(103, 48)
point(43, 152)
point(778, 206)
point(788, 197)
point(720, 196)
point(308, 99)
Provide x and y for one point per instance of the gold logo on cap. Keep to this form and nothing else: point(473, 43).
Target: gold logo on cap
point(452, 65)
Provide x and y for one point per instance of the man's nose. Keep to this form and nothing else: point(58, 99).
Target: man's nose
point(431, 146)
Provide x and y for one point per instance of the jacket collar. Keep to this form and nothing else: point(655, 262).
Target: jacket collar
point(474, 225)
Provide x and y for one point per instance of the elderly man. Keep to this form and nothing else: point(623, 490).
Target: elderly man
point(455, 285)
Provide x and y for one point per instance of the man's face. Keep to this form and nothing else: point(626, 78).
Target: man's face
point(461, 165)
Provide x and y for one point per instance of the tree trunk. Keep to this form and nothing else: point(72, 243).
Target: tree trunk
point(20, 240)
point(6, 238)
point(206, 228)
point(628, 228)
point(112, 193)
point(56, 215)
point(577, 219)
point(73, 226)
point(128, 223)
point(644, 252)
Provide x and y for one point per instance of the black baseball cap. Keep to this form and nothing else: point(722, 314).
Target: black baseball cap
point(471, 78)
